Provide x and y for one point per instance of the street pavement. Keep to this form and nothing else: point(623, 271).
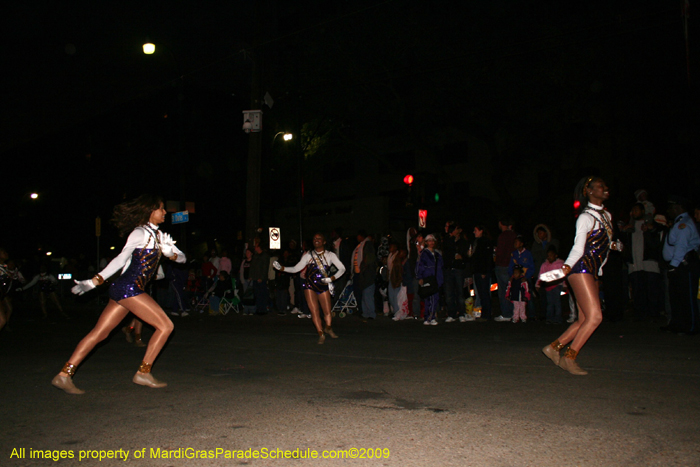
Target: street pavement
point(458, 394)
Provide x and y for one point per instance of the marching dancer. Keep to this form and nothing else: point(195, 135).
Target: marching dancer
point(318, 283)
point(138, 263)
point(592, 244)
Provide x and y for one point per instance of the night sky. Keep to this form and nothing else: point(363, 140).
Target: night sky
point(550, 91)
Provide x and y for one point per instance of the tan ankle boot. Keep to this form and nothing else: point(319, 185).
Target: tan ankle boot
point(328, 330)
point(568, 363)
point(552, 351)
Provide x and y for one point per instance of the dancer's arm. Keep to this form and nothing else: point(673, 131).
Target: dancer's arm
point(138, 238)
point(338, 264)
point(584, 224)
point(31, 283)
point(306, 259)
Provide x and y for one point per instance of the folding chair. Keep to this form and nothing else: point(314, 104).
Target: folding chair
point(202, 304)
point(230, 300)
point(346, 303)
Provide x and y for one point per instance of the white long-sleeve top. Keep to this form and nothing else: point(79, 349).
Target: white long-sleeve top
point(41, 277)
point(327, 257)
point(140, 237)
point(585, 223)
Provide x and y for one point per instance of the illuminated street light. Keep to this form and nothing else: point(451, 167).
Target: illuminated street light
point(48, 253)
point(34, 195)
point(287, 137)
point(149, 48)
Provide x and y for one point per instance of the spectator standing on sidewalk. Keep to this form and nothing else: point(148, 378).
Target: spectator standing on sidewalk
point(454, 252)
point(504, 248)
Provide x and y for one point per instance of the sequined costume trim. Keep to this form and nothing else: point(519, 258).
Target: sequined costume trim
point(144, 264)
point(596, 249)
point(68, 369)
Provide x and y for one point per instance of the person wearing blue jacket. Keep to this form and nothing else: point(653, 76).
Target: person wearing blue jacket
point(680, 249)
point(430, 264)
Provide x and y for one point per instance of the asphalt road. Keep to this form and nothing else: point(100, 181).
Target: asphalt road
point(462, 394)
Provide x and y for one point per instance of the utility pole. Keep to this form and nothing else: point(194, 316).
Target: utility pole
point(252, 217)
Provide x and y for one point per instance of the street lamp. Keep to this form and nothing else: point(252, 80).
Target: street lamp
point(149, 49)
point(285, 136)
point(34, 195)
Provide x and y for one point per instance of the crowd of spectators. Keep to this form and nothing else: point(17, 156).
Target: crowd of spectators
point(389, 275)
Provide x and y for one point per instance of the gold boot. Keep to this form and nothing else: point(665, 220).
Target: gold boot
point(321, 338)
point(568, 363)
point(328, 330)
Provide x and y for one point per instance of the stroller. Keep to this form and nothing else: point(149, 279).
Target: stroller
point(346, 302)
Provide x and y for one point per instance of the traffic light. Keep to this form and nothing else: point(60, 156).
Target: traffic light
point(408, 180)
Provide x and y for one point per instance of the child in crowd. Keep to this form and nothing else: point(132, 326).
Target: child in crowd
point(552, 289)
point(518, 293)
point(221, 285)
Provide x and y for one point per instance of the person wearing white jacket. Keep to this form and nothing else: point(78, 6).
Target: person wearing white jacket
point(138, 263)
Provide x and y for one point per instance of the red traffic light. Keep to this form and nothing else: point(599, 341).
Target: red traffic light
point(408, 180)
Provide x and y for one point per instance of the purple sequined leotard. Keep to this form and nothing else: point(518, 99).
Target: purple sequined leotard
point(144, 263)
point(594, 254)
point(314, 275)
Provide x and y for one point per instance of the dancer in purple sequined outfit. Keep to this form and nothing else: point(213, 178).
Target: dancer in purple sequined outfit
point(585, 263)
point(317, 283)
point(138, 263)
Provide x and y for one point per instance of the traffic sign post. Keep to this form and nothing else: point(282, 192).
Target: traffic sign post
point(275, 238)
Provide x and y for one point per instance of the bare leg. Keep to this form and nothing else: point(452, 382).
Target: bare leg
point(3, 315)
point(325, 300)
point(572, 330)
point(585, 289)
point(312, 299)
point(109, 319)
point(590, 314)
point(54, 299)
point(8, 309)
point(137, 325)
point(146, 309)
point(42, 304)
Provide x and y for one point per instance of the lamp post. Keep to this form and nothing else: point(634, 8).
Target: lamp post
point(149, 48)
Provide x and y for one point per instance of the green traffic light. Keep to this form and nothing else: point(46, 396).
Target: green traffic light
point(437, 197)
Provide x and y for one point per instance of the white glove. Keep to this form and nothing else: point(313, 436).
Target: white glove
point(326, 280)
point(167, 250)
point(167, 244)
point(81, 287)
point(166, 239)
point(277, 265)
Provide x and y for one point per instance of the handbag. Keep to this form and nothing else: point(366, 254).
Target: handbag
point(430, 284)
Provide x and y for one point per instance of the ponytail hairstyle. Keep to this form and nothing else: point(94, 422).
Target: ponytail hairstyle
point(127, 216)
point(581, 192)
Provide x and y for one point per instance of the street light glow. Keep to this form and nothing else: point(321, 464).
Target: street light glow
point(48, 253)
point(34, 195)
point(149, 48)
point(287, 136)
